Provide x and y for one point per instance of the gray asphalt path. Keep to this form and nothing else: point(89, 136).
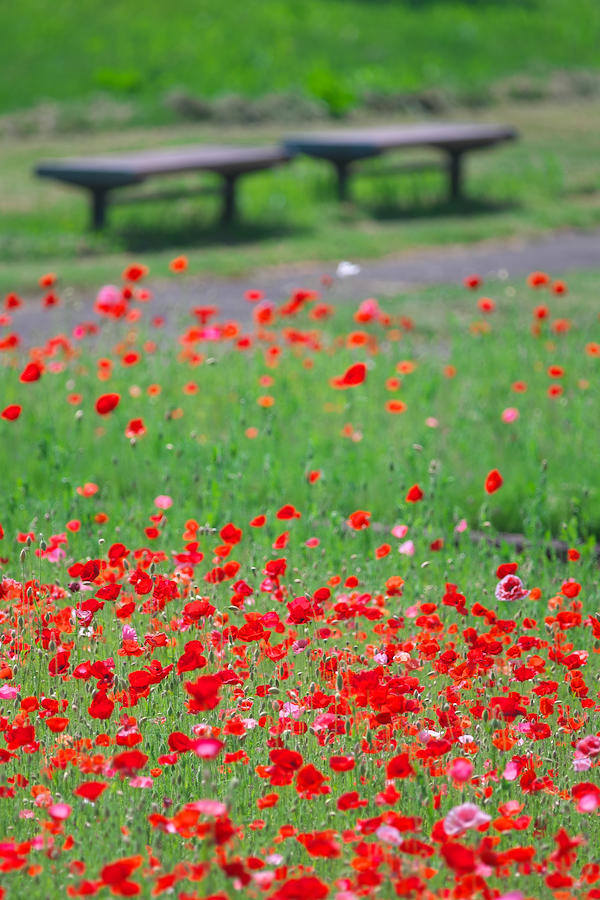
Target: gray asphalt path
point(557, 253)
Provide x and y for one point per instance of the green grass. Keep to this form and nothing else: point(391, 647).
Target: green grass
point(333, 50)
point(545, 492)
point(546, 179)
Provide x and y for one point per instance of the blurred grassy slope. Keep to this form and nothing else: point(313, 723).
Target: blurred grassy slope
point(71, 49)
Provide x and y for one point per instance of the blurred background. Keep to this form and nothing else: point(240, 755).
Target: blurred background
point(86, 76)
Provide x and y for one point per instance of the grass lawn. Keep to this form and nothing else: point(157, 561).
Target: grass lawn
point(244, 633)
point(333, 51)
point(547, 179)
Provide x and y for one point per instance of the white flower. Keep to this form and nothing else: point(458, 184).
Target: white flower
point(346, 269)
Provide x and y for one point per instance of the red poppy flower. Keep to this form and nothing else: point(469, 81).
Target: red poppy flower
point(135, 428)
point(493, 481)
point(10, 413)
point(290, 760)
point(116, 874)
point(359, 519)
point(129, 761)
point(382, 551)
point(307, 887)
point(106, 403)
point(90, 790)
point(230, 534)
point(204, 693)
point(57, 723)
point(414, 494)
point(179, 264)
point(507, 708)
point(31, 372)
point(472, 281)
point(458, 857)
point(350, 800)
point(252, 631)
point(395, 407)
point(399, 767)
point(537, 279)
point(135, 272)
point(353, 376)
point(342, 763)
point(267, 801)
point(288, 512)
point(59, 664)
point(310, 782)
point(100, 707)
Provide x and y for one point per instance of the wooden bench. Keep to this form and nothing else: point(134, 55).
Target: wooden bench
point(101, 175)
point(344, 147)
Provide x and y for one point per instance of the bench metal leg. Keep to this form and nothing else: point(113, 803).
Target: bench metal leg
point(455, 175)
point(343, 171)
point(99, 206)
point(229, 205)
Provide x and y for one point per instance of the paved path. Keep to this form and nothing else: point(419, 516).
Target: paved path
point(557, 253)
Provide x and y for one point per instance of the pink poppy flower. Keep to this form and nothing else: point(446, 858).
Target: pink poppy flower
point(9, 691)
point(510, 414)
point(465, 816)
point(587, 796)
point(389, 835)
point(581, 763)
point(163, 501)
point(510, 588)
point(289, 711)
point(208, 807)
point(141, 781)
point(59, 811)
point(461, 769)
point(207, 748)
point(589, 745)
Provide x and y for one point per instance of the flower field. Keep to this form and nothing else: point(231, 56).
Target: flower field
point(262, 633)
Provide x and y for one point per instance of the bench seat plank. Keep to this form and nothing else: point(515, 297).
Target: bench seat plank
point(355, 143)
point(345, 146)
point(101, 174)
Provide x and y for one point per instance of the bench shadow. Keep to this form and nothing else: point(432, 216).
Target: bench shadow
point(388, 210)
point(182, 234)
